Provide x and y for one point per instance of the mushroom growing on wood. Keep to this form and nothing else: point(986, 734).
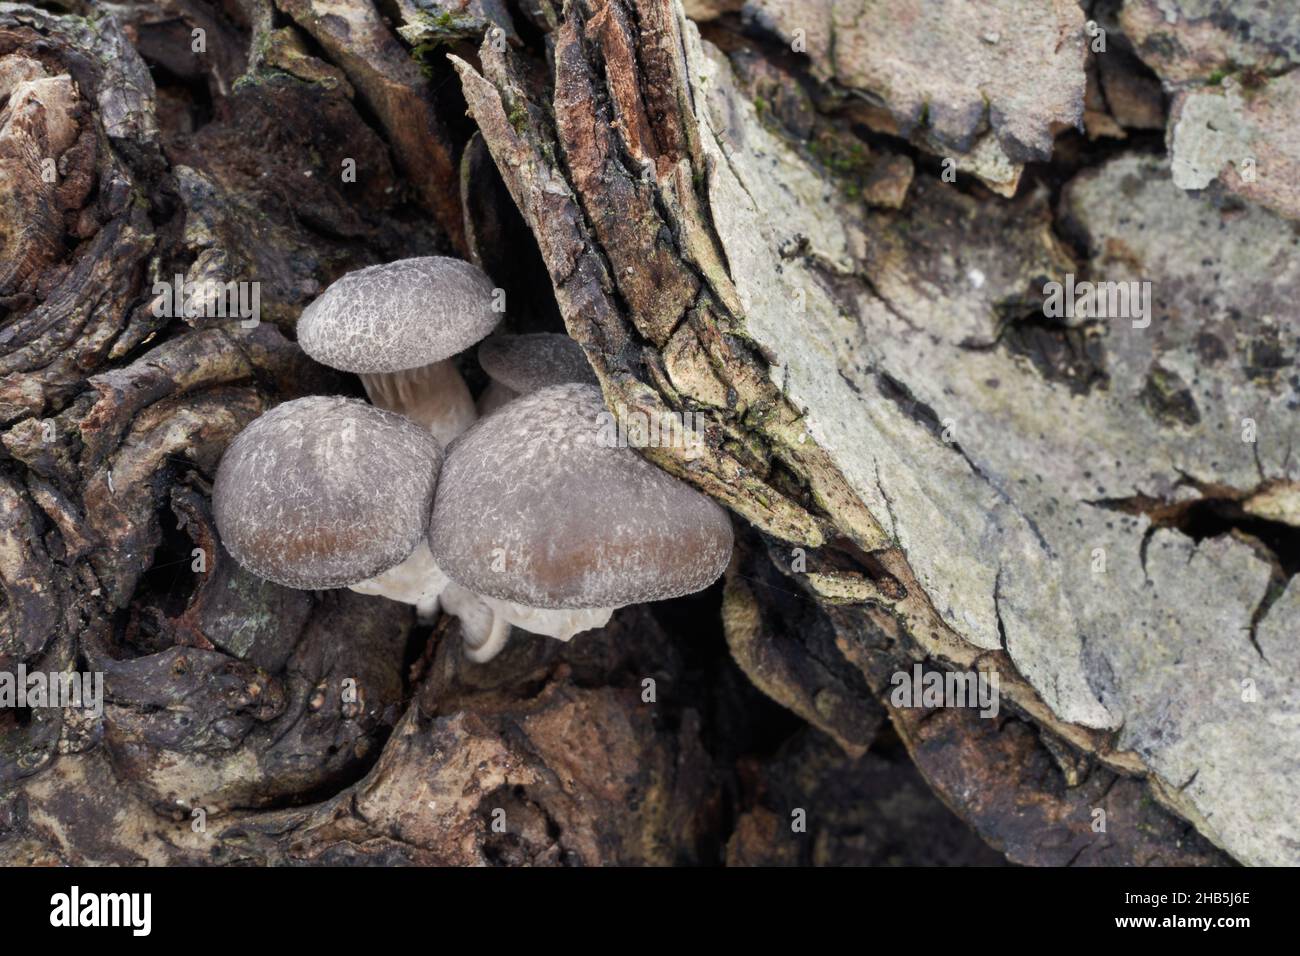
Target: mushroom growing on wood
point(521, 364)
point(397, 325)
point(553, 527)
point(328, 492)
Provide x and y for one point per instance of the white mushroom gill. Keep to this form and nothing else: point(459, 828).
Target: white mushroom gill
point(417, 580)
point(559, 623)
point(432, 395)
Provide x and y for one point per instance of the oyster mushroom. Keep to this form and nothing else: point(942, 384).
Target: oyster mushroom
point(329, 492)
point(397, 325)
point(553, 528)
point(520, 364)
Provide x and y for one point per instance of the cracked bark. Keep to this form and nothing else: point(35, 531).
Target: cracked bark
point(566, 177)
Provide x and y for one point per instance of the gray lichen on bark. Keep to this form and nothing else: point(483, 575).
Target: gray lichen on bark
point(1001, 524)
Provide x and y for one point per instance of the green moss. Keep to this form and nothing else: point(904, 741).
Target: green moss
point(428, 34)
point(841, 155)
point(264, 40)
point(518, 116)
point(421, 53)
point(845, 158)
point(445, 26)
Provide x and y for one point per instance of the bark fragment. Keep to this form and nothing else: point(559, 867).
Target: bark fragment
point(1231, 70)
point(986, 85)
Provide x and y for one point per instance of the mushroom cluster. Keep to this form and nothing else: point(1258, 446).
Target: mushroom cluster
point(526, 518)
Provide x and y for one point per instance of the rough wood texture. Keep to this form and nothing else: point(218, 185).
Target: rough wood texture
point(923, 467)
point(885, 363)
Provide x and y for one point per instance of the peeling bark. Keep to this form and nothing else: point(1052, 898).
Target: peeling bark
point(743, 221)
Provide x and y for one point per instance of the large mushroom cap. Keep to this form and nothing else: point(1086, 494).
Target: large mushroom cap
point(325, 492)
point(534, 507)
point(400, 315)
point(526, 363)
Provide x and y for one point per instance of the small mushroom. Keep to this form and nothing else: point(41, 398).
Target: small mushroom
point(328, 492)
point(553, 527)
point(397, 325)
point(521, 364)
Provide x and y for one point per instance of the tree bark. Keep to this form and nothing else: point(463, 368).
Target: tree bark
point(923, 468)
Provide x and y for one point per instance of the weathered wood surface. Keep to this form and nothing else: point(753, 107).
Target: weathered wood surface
point(728, 228)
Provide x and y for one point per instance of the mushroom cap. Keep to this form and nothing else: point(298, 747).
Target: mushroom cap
point(399, 315)
point(525, 363)
point(323, 492)
point(532, 507)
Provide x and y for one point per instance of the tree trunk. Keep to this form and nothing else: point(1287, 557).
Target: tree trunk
point(755, 219)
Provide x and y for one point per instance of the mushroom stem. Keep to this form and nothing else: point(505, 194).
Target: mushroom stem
point(485, 621)
point(417, 580)
point(492, 644)
point(485, 633)
point(433, 395)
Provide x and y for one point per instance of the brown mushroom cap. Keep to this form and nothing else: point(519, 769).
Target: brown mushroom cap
point(526, 363)
point(533, 507)
point(399, 315)
point(324, 492)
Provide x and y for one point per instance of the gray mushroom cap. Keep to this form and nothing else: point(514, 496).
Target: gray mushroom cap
point(534, 508)
point(323, 492)
point(400, 315)
point(525, 363)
